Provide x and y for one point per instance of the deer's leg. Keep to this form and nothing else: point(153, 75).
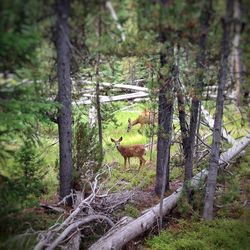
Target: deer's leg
point(129, 162)
point(125, 162)
point(142, 162)
point(141, 128)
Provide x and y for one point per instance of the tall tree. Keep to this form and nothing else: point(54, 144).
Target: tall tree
point(98, 103)
point(215, 150)
point(64, 96)
point(197, 92)
point(165, 106)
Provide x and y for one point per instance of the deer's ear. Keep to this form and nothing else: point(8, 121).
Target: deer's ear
point(112, 140)
point(129, 120)
point(120, 139)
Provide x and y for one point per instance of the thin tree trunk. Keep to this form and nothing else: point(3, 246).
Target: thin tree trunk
point(98, 104)
point(165, 115)
point(64, 97)
point(201, 60)
point(215, 150)
point(165, 119)
point(181, 108)
point(183, 124)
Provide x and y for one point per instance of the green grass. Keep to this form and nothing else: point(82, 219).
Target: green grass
point(218, 234)
point(123, 178)
point(49, 150)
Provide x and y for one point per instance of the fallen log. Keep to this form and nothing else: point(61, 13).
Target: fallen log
point(115, 239)
point(210, 122)
point(53, 209)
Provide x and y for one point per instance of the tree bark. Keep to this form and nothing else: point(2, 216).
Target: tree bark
point(165, 119)
point(181, 108)
point(64, 96)
point(165, 114)
point(215, 150)
point(201, 60)
point(98, 104)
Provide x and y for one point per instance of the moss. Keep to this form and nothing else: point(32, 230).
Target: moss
point(218, 234)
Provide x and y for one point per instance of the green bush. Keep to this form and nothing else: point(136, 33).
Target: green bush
point(86, 150)
point(24, 185)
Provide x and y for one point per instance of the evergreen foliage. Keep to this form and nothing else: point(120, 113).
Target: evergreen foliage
point(24, 185)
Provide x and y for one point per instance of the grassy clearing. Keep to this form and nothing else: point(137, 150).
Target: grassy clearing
point(123, 178)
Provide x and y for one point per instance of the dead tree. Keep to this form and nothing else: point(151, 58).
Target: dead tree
point(215, 150)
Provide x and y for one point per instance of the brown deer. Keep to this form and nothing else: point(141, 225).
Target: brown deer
point(146, 117)
point(130, 151)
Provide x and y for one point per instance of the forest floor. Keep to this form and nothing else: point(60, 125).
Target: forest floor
point(230, 229)
point(232, 214)
point(232, 193)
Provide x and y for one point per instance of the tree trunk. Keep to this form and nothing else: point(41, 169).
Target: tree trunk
point(201, 60)
point(165, 113)
point(98, 104)
point(181, 108)
point(215, 150)
point(64, 96)
point(165, 119)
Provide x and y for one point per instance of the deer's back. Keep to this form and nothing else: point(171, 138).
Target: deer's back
point(147, 117)
point(133, 151)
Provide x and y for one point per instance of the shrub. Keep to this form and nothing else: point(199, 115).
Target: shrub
point(24, 185)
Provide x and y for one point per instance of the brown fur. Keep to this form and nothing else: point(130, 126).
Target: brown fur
point(146, 117)
point(130, 151)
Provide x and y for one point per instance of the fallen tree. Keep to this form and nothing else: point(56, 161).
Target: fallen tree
point(118, 236)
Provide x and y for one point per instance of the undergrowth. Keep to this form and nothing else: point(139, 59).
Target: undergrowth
point(230, 229)
point(217, 234)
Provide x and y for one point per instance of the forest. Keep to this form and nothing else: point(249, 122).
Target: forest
point(125, 124)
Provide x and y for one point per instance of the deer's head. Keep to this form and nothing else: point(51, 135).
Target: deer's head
point(129, 125)
point(117, 142)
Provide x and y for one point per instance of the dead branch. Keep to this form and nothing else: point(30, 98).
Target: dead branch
point(59, 231)
point(76, 225)
point(53, 208)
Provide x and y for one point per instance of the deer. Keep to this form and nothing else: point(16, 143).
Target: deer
point(127, 152)
point(146, 117)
